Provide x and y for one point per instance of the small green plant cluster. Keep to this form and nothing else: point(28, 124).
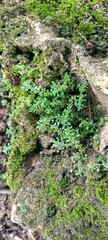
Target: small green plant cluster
point(61, 110)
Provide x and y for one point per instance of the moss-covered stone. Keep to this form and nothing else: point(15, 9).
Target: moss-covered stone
point(52, 196)
point(76, 211)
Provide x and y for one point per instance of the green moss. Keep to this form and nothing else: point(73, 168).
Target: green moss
point(15, 169)
point(87, 29)
point(102, 194)
point(26, 140)
point(36, 6)
point(24, 143)
point(1, 47)
point(77, 192)
point(100, 19)
point(84, 215)
point(64, 182)
point(51, 210)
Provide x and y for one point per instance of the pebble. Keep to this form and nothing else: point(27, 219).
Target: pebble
point(17, 238)
point(2, 126)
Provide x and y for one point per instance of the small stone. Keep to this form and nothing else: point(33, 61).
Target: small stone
point(103, 148)
point(2, 126)
point(17, 238)
point(11, 236)
point(4, 112)
point(45, 141)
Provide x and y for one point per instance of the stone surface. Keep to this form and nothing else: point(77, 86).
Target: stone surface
point(95, 71)
point(45, 141)
point(44, 188)
point(52, 199)
point(26, 205)
point(40, 37)
point(86, 214)
point(103, 148)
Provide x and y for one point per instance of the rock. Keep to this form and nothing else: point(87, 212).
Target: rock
point(4, 112)
point(23, 210)
point(45, 141)
point(95, 71)
point(17, 238)
point(40, 37)
point(2, 126)
point(34, 37)
point(52, 198)
point(103, 148)
point(11, 236)
point(50, 194)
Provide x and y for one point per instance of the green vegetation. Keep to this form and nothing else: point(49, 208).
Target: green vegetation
point(51, 101)
point(22, 142)
point(84, 215)
point(2, 176)
point(57, 107)
point(10, 25)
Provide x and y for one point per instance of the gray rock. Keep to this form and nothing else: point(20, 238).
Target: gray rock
point(45, 141)
point(26, 209)
point(95, 71)
point(40, 37)
point(103, 148)
point(34, 206)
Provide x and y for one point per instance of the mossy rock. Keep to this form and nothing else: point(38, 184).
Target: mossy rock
point(63, 206)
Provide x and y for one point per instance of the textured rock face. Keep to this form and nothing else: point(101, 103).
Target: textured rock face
point(40, 37)
point(27, 209)
point(52, 198)
point(59, 204)
point(103, 148)
point(95, 71)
